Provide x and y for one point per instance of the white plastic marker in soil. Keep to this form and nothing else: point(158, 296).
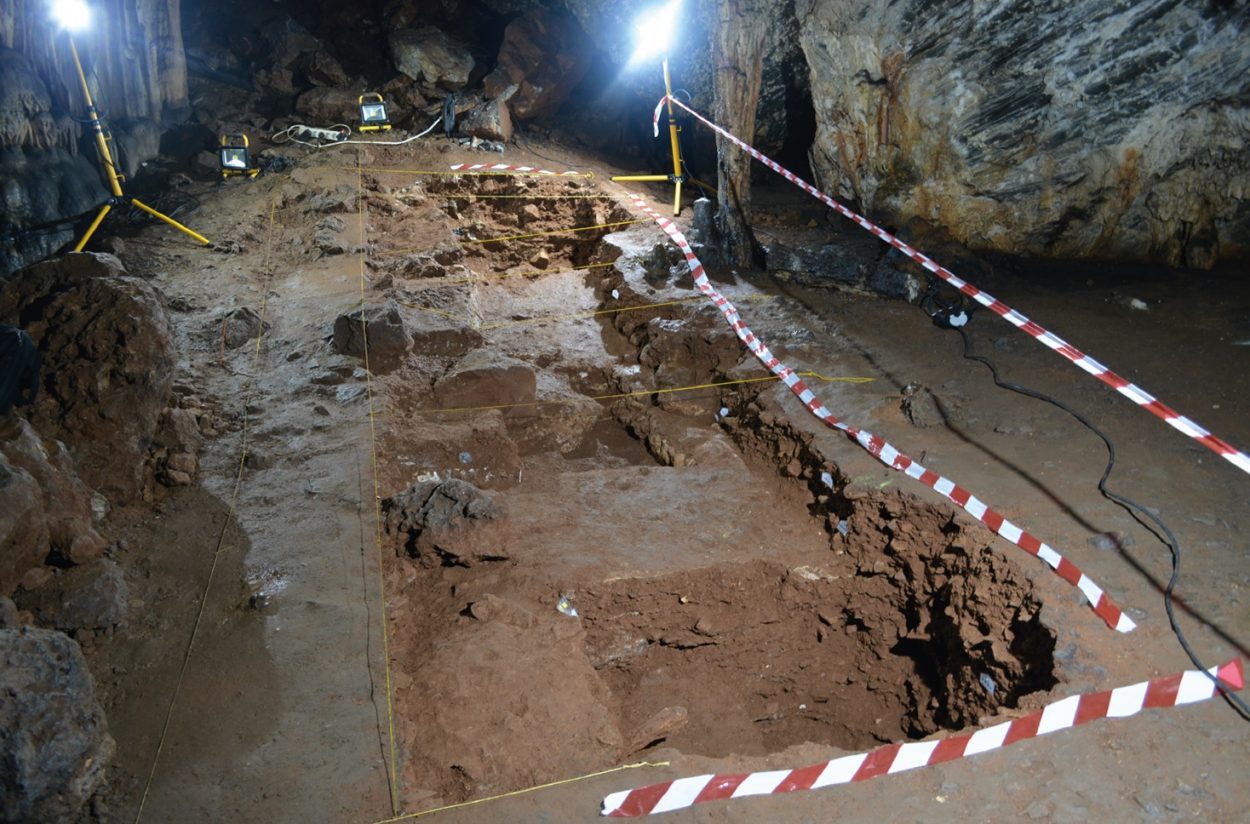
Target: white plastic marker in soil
point(1129, 390)
point(1184, 688)
point(886, 453)
point(504, 167)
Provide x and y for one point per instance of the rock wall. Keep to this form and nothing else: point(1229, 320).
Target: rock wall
point(1058, 128)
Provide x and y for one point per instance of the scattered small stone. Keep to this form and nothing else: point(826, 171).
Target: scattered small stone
point(349, 392)
point(1109, 541)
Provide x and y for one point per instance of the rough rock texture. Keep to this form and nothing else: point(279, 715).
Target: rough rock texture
point(483, 378)
point(45, 509)
point(92, 596)
point(431, 57)
point(442, 519)
point(1050, 128)
point(545, 55)
point(54, 742)
point(738, 44)
point(108, 361)
point(383, 329)
point(491, 121)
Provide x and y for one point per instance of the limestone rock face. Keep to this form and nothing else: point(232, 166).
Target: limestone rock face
point(430, 56)
point(546, 55)
point(52, 732)
point(108, 361)
point(1062, 129)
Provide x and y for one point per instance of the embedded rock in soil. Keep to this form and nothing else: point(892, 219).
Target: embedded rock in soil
point(444, 519)
point(93, 596)
point(45, 509)
point(382, 331)
point(456, 341)
point(922, 407)
point(238, 326)
point(53, 735)
point(484, 378)
point(108, 360)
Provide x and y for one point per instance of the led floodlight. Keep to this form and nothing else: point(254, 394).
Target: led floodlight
point(373, 117)
point(234, 156)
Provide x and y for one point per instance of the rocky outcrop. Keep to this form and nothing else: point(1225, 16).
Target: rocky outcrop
point(53, 735)
point(443, 520)
point(45, 509)
point(108, 360)
point(1054, 128)
point(545, 55)
point(431, 57)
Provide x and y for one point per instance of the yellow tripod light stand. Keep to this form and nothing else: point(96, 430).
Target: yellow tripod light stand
point(677, 177)
point(118, 197)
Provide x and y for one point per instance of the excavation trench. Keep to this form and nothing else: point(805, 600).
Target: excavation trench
point(891, 620)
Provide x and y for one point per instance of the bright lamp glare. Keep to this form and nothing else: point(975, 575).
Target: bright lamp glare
point(72, 15)
point(654, 31)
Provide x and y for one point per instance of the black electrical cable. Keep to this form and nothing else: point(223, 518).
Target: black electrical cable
point(942, 314)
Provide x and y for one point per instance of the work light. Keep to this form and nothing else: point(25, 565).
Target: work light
point(373, 116)
point(235, 157)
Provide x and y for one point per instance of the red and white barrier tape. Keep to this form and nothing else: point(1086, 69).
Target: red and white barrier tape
point(1052, 341)
point(886, 453)
point(1187, 687)
point(504, 167)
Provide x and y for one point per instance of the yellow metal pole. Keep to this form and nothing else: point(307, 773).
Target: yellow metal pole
point(100, 142)
point(95, 224)
point(136, 202)
point(115, 180)
point(672, 136)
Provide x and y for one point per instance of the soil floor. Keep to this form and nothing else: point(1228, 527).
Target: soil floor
point(753, 590)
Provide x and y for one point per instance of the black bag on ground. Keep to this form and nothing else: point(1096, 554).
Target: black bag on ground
point(19, 369)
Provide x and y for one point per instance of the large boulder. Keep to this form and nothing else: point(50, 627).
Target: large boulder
point(92, 597)
point(54, 741)
point(108, 362)
point(431, 57)
point(45, 509)
point(327, 105)
point(545, 54)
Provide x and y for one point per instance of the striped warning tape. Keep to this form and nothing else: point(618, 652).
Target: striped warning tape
point(886, 453)
point(504, 167)
point(1052, 341)
point(1187, 687)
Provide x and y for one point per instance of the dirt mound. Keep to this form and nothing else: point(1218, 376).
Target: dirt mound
point(108, 362)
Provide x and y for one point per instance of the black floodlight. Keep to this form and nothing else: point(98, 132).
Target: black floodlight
point(373, 117)
point(235, 157)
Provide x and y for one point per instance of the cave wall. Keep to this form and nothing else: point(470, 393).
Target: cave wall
point(133, 53)
point(1054, 128)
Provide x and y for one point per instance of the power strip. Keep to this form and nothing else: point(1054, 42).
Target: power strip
point(324, 135)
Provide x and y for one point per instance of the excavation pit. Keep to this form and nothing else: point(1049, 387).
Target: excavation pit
point(756, 657)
